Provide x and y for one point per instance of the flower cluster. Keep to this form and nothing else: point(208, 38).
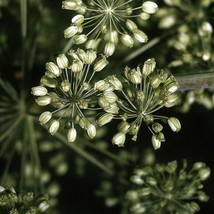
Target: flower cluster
point(67, 86)
point(11, 202)
point(194, 31)
point(143, 91)
point(167, 189)
point(107, 22)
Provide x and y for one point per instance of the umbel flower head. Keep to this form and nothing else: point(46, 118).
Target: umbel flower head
point(107, 22)
point(67, 86)
point(144, 91)
point(167, 188)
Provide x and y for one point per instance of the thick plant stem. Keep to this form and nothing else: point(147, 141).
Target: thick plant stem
point(196, 81)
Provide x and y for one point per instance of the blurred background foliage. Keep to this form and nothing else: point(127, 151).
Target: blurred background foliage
point(31, 160)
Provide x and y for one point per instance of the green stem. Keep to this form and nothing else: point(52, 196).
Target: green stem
point(196, 81)
point(84, 154)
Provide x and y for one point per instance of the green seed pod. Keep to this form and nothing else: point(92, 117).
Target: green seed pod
point(127, 40)
point(78, 19)
point(115, 82)
point(45, 117)
point(149, 7)
point(69, 5)
point(109, 48)
point(105, 118)
point(119, 139)
point(91, 55)
point(131, 25)
point(80, 39)
point(70, 31)
point(62, 61)
point(110, 96)
point(148, 67)
point(77, 66)
point(53, 68)
point(51, 83)
point(54, 127)
point(39, 91)
point(91, 131)
point(72, 135)
point(101, 85)
point(156, 142)
point(43, 101)
point(140, 36)
point(174, 124)
point(100, 65)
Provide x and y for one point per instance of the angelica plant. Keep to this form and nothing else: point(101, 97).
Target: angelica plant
point(114, 80)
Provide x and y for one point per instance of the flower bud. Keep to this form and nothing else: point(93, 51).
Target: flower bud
point(101, 85)
point(78, 19)
point(156, 142)
point(152, 181)
point(43, 101)
point(110, 96)
point(114, 81)
point(131, 25)
point(135, 76)
point(123, 127)
point(91, 55)
point(80, 39)
point(62, 61)
point(91, 131)
point(149, 7)
point(65, 85)
point(109, 49)
point(92, 44)
point(51, 83)
point(127, 40)
point(148, 67)
point(204, 173)
point(140, 36)
point(43, 206)
point(155, 81)
point(104, 119)
point(100, 65)
point(77, 66)
point(69, 5)
point(72, 135)
point(39, 91)
point(70, 31)
point(103, 102)
point(172, 87)
point(119, 139)
point(84, 123)
point(157, 127)
point(174, 124)
point(45, 117)
point(53, 68)
point(112, 108)
point(54, 127)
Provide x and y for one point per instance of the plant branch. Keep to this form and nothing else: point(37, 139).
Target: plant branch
point(196, 81)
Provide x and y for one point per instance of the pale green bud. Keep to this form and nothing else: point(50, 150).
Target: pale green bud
point(174, 124)
point(135, 76)
point(78, 19)
point(74, 54)
point(103, 102)
point(149, 7)
point(157, 127)
point(70, 31)
point(92, 44)
point(114, 37)
point(53, 68)
point(140, 36)
point(156, 142)
point(148, 67)
point(123, 127)
point(77, 66)
point(62, 61)
point(100, 65)
point(105, 118)
point(101, 85)
point(39, 91)
point(65, 85)
point(51, 83)
point(172, 87)
point(80, 39)
point(155, 81)
point(110, 96)
point(91, 55)
point(109, 48)
point(81, 54)
point(69, 5)
point(144, 16)
point(127, 40)
point(204, 173)
point(152, 181)
point(144, 191)
point(84, 123)
point(131, 25)
point(119, 139)
point(54, 127)
point(43, 101)
point(72, 135)
point(91, 131)
point(114, 81)
point(45, 117)
point(112, 108)
point(137, 179)
point(43, 206)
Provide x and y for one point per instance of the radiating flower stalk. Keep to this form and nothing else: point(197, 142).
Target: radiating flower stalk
point(143, 91)
point(107, 23)
point(68, 87)
point(168, 188)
